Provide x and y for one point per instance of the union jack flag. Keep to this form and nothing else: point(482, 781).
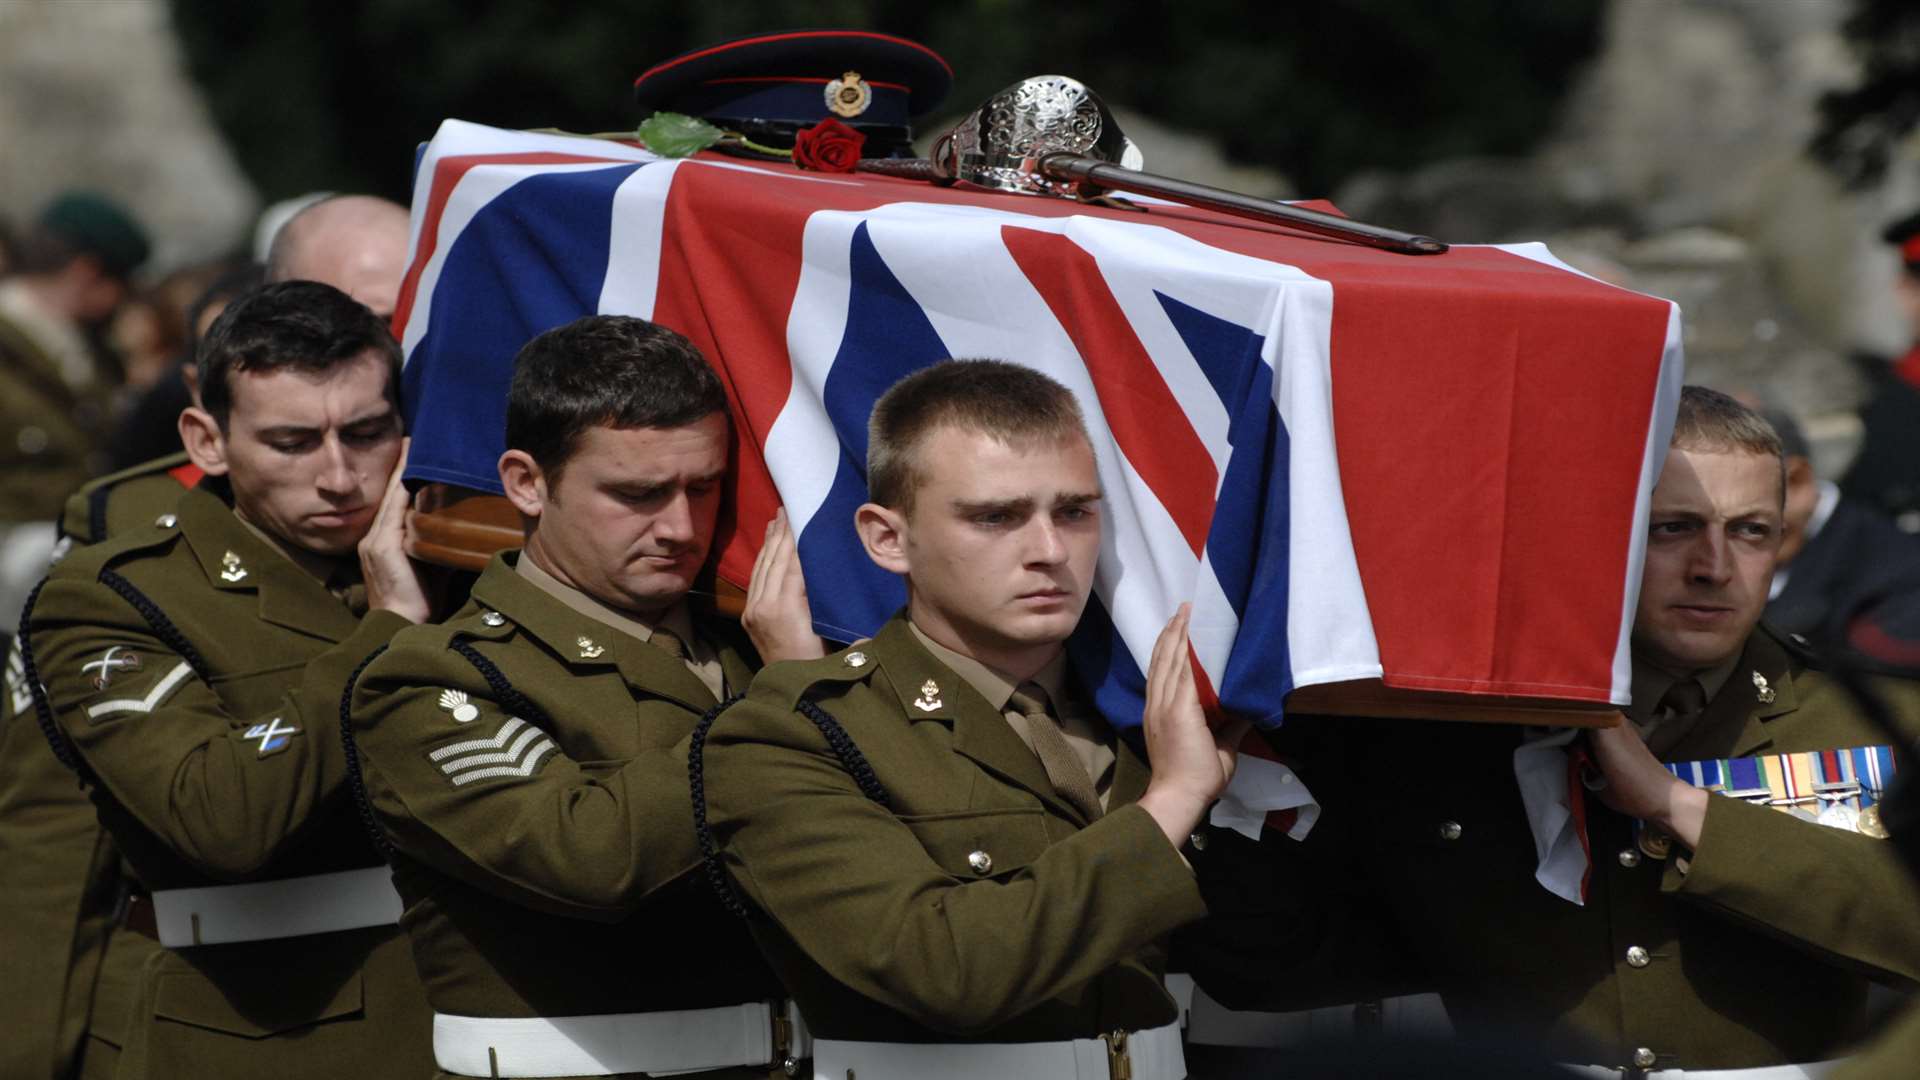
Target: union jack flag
point(1433, 471)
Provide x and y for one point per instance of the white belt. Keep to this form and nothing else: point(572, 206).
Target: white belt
point(687, 1040)
point(1153, 1054)
point(1815, 1070)
point(263, 910)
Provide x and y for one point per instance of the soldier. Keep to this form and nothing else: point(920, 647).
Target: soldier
point(183, 663)
point(527, 758)
point(1704, 932)
point(948, 856)
point(355, 243)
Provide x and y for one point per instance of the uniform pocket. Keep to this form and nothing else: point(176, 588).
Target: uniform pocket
point(981, 843)
point(278, 1004)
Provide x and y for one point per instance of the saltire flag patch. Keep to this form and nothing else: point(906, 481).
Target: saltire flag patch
point(1433, 470)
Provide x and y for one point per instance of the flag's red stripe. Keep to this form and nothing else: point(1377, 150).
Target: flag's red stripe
point(447, 173)
point(1144, 416)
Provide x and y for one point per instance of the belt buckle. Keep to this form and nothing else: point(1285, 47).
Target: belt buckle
point(783, 1042)
point(1119, 1062)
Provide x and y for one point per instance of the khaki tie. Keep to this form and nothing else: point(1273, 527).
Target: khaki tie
point(670, 643)
point(1674, 717)
point(1069, 776)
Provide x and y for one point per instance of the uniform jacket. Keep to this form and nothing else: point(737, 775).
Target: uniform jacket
point(53, 427)
point(1419, 875)
point(528, 764)
point(62, 881)
point(948, 894)
point(213, 759)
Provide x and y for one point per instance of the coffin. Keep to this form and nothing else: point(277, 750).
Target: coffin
point(1390, 485)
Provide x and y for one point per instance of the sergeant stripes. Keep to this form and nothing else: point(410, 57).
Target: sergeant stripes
point(463, 761)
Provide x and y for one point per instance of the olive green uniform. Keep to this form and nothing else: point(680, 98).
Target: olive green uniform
point(1420, 875)
point(62, 881)
point(527, 761)
point(52, 409)
point(196, 671)
point(912, 872)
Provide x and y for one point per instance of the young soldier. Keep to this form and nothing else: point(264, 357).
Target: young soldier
point(194, 668)
point(527, 759)
point(1713, 934)
point(951, 861)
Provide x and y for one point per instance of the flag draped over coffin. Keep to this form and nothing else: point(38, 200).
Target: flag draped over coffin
point(1433, 470)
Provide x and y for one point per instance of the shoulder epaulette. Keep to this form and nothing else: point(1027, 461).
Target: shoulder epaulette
point(791, 680)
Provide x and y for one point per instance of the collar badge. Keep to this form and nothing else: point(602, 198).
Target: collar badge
point(588, 650)
point(1762, 690)
point(234, 571)
point(929, 698)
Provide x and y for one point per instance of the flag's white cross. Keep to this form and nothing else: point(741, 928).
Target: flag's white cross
point(271, 735)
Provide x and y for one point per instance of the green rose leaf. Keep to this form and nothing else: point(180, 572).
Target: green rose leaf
point(677, 135)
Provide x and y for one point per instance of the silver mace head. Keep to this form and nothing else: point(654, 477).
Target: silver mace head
point(1002, 144)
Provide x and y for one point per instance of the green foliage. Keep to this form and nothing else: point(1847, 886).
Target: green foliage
point(335, 94)
point(1862, 126)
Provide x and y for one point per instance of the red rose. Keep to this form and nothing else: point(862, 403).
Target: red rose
point(828, 146)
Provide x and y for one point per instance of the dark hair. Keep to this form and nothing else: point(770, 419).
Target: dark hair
point(1008, 402)
point(302, 325)
point(232, 283)
point(604, 370)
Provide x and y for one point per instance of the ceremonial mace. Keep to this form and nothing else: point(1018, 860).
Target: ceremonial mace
point(1051, 135)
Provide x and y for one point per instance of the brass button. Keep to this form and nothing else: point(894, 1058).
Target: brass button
point(1629, 858)
point(1638, 957)
point(855, 659)
point(980, 861)
point(494, 618)
point(1450, 830)
point(1644, 1058)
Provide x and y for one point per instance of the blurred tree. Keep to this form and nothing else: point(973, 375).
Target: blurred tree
point(1860, 127)
point(332, 93)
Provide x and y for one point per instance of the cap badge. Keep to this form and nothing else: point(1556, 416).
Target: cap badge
point(455, 702)
point(849, 95)
point(114, 659)
point(234, 571)
point(1761, 689)
point(588, 650)
point(929, 698)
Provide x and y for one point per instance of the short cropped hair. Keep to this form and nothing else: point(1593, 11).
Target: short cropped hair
point(1013, 404)
point(604, 370)
point(298, 325)
point(1710, 420)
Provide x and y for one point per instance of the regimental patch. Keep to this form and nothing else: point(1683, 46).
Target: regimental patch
point(516, 750)
point(146, 703)
point(19, 695)
point(455, 702)
point(275, 735)
point(116, 659)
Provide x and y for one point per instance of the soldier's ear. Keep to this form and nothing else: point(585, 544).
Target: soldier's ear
point(206, 444)
point(524, 482)
point(883, 533)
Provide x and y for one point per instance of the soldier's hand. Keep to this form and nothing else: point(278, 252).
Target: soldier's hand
point(393, 581)
point(777, 616)
point(1191, 762)
point(1637, 785)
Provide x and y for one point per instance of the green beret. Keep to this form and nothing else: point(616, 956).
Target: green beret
point(96, 225)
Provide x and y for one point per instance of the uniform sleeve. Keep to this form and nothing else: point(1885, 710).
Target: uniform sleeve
point(223, 790)
point(1838, 894)
point(858, 891)
point(491, 799)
